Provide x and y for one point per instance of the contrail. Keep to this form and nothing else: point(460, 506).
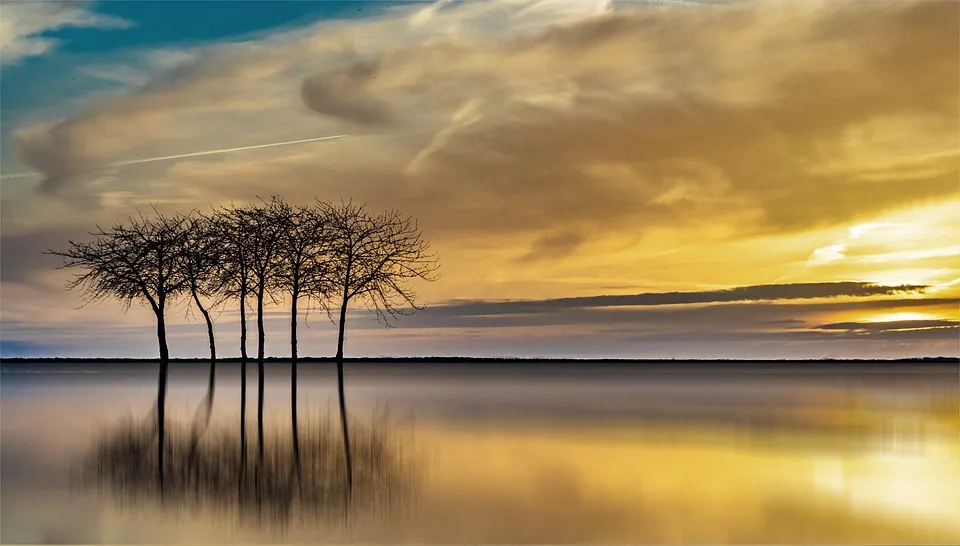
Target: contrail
point(702, 4)
point(193, 154)
point(224, 151)
point(18, 175)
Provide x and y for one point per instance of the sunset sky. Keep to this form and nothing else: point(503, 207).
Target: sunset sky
point(599, 178)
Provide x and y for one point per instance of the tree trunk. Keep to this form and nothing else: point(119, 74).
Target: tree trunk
point(161, 394)
point(243, 383)
point(293, 381)
point(260, 348)
point(343, 402)
point(213, 348)
point(211, 388)
point(201, 418)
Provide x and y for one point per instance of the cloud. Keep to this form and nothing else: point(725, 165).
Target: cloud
point(773, 292)
point(344, 95)
point(553, 246)
point(23, 259)
point(656, 322)
point(890, 326)
point(188, 100)
point(58, 153)
point(24, 24)
point(947, 334)
point(695, 128)
point(838, 251)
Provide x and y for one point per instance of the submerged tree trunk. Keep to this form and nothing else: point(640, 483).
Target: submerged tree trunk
point(343, 402)
point(161, 394)
point(293, 382)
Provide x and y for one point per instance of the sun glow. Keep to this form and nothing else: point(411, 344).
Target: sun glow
point(901, 316)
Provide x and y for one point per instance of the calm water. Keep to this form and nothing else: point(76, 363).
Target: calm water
point(538, 454)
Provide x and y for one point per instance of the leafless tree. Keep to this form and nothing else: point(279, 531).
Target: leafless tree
point(199, 262)
point(302, 272)
point(372, 258)
point(262, 227)
point(230, 228)
point(134, 262)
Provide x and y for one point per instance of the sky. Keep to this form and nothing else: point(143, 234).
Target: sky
point(713, 179)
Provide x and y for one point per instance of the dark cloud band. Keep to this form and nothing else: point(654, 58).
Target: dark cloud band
point(768, 292)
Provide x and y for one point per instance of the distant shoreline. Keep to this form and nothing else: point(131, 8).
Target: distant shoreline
point(485, 360)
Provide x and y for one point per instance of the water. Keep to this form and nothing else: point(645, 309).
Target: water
point(667, 453)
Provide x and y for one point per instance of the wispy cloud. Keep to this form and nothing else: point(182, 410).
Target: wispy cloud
point(567, 124)
point(23, 26)
point(890, 326)
point(837, 251)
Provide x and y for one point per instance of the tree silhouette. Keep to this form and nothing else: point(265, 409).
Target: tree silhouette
point(230, 229)
point(199, 261)
point(134, 262)
point(372, 258)
point(302, 272)
point(262, 253)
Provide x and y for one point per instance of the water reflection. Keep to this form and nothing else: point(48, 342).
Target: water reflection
point(210, 476)
point(637, 456)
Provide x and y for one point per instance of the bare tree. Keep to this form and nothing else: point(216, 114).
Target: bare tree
point(302, 272)
point(262, 253)
point(230, 229)
point(372, 258)
point(134, 262)
point(199, 261)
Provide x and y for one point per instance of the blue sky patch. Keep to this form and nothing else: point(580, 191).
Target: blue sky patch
point(161, 23)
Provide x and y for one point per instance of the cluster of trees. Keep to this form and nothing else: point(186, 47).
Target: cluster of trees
point(324, 255)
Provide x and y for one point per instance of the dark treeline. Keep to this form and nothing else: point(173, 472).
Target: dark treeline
point(325, 256)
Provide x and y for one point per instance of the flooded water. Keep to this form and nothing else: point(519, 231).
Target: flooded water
point(666, 453)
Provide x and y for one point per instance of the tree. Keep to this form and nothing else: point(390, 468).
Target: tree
point(262, 255)
point(372, 258)
point(135, 262)
point(229, 227)
point(199, 261)
point(302, 272)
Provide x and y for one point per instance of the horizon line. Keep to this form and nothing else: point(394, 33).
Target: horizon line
point(309, 359)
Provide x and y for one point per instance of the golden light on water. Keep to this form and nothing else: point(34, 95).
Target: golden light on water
point(914, 488)
point(706, 485)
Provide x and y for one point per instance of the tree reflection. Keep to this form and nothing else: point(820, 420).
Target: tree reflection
point(208, 478)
